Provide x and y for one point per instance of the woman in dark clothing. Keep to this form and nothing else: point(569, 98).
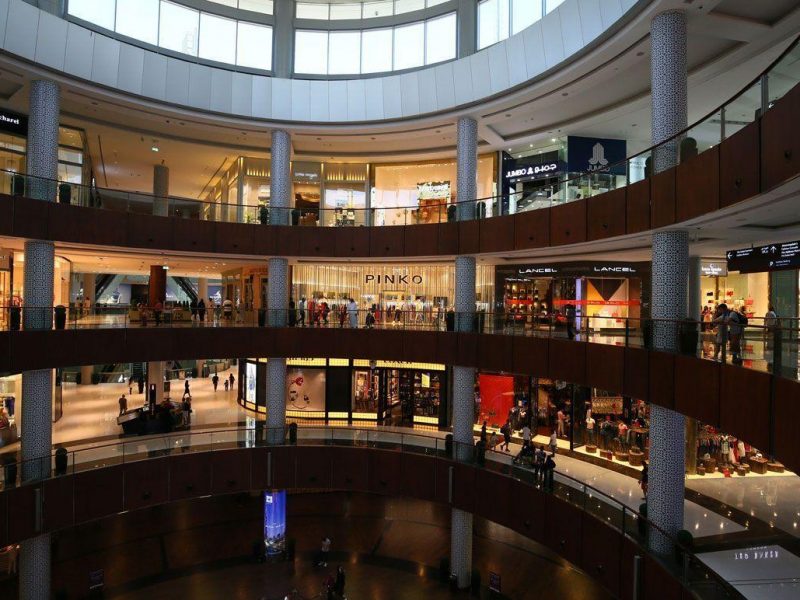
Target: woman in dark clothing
point(338, 587)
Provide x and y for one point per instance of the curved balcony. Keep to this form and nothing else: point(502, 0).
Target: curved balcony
point(760, 161)
point(758, 401)
point(585, 526)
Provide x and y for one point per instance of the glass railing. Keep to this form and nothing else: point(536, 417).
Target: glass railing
point(772, 346)
point(747, 106)
point(679, 559)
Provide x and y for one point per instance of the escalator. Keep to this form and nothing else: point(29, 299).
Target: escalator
point(187, 287)
point(101, 283)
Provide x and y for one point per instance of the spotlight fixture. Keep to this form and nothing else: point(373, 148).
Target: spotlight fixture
point(154, 147)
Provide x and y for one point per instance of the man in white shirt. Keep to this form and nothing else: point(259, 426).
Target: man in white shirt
point(590, 429)
point(526, 435)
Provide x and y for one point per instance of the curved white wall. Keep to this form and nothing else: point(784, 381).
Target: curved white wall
point(76, 51)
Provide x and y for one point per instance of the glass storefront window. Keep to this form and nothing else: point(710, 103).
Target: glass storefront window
point(441, 39)
point(409, 46)
point(138, 19)
point(178, 28)
point(311, 51)
point(344, 52)
point(99, 12)
point(254, 46)
point(217, 38)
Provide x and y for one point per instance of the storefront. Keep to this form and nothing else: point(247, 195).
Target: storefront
point(605, 294)
point(246, 287)
point(13, 146)
point(418, 294)
point(749, 291)
point(333, 389)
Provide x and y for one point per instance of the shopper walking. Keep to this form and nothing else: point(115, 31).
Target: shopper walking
point(231, 380)
point(292, 314)
point(325, 548)
point(569, 313)
point(215, 381)
point(301, 313)
point(123, 404)
point(553, 442)
point(643, 481)
point(506, 431)
point(549, 468)
point(352, 312)
point(338, 587)
point(201, 311)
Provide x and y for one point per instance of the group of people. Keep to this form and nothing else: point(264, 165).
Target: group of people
point(229, 382)
point(728, 326)
point(536, 457)
point(318, 313)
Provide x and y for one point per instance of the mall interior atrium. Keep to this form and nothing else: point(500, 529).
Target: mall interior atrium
point(393, 299)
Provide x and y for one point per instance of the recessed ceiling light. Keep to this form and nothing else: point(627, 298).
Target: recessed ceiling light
point(154, 147)
point(531, 145)
point(554, 140)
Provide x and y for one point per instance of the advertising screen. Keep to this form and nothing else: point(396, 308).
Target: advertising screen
point(275, 522)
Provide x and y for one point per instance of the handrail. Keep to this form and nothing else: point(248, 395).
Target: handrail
point(775, 343)
point(444, 211)
point(629, 522)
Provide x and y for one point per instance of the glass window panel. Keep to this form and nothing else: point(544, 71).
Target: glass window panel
point(409, 46)
point(487, 23)
point(552, 4)
point(378, 9)
point(376, 51)
point(312, 11)
point(345, 11)
point(225, 2)
point(217, 38)
point(524, 14)
point(178, 28)
point(435, 2)
point(138, 19)
point(440, 39)
point(344, 53)
point(99, 12)
point(503, 19)
point(404, 6)
point(311, 52)
point(260, 6)
point(254, 46)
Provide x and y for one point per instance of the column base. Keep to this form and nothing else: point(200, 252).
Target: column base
point(461, 548)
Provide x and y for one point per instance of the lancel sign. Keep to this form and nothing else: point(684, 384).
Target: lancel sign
point(392, 279)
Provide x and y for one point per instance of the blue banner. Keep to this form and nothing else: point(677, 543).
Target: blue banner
point(596, 155)
point(275, 522)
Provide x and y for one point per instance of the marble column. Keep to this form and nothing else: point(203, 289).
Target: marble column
point(280, 184)
point(161, 190)
point(202, 289)
point(86, 374)
point(668, 84)
point(670, 270)
point(88, 285)
point(155, 375)
point(37, 386)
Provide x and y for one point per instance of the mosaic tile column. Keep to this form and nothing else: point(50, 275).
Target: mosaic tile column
point(160, 190)
point(670, 270)
point(668, 83)
point(37, 386)
point(466, 167)
point(280, 184)
point(461, 547)
point(276, 399)
point(277, 291)
point(42, 150)
point(34, 568)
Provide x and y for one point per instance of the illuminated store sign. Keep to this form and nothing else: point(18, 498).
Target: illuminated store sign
point(775, 257)
point(12, 122)
point(613, 269)
point(599, 155)
point(533, 171)
point(381, 279)
point(538, 271)
point(713, 268)
point(577, 270)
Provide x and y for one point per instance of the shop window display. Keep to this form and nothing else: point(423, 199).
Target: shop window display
point(305, 392)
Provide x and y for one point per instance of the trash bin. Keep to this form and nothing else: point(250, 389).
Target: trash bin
point(65, 193)
point(262, 317)
point(60, 316)
point(15, 318)
point(293, 434)
point(61, 461)
point(448, 445)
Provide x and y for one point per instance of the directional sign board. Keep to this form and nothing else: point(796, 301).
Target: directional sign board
point(774, 257)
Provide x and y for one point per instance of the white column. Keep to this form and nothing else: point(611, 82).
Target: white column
point(280, 184)
point(88, 285)
point(86, 374)
point(202, 289)
point(670, 271)
point(37, 386)
point(155, 374)
point(161, 190)
point(668, 84)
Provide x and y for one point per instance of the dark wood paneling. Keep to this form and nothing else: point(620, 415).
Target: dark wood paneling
point(787, 416)
point(108, 225)
point(601, 553)
point(388, 343)
point(605, 367)
point(189, 476)
point(662, 199)
point(739, 165)
point(385, 472)
point(629, 551)
point(69, 223)
point(469, 237)
point(230, 471)
point(745, 404)
point(353, 241)
point(386, 241)
point(493, 498)
point(4, 539)
point(98, 493)
point(265, 242)
point(497, 234)
point(146, 483)
point(532, 229)
point(313, 467)
point(22, 512)
point(467, 351)
point(192, 235)
point(351, 469)
point(662, 379)
point(568, 223)
point(447, 237)
point(420, 346)
point(58, 510)
point(697, 388)
point(606, 215)
point(637, 206)
point(780, 141)
point(637, 373)
point(446, 348)
point(259, 468)
point(464, 487)
point(567, 360)
point(421, 240)
point(527, 508)
point(283, 468)
point(418, 476)
point(6, 338)
point(317, 241)
point(531, 355)
point(697, 185)
point(287, 240)
point(562, 529)
point(658, 583)
point(148, 231)
point(495, 352)
point(236, 238)
point(442, 475)
point(6, 215)
point(30, 218)
point(52, 348)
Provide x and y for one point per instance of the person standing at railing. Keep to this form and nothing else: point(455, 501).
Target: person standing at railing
point(569, 313)
point(201, 310)
point(771, 325)
point(157, 310)
point(721, 322)
point(302, 312)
